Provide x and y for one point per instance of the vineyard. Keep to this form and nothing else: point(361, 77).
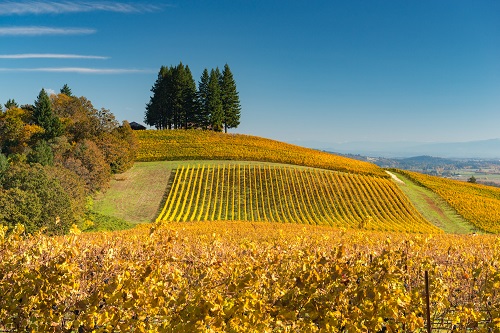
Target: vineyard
point(262, 192)
point(247, 277)
point(479, 204)
point(208, 145)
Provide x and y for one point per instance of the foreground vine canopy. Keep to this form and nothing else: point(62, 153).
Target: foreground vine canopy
point(263, 192)
point(246, 277)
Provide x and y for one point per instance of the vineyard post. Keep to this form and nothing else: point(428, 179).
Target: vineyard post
point(427, 302)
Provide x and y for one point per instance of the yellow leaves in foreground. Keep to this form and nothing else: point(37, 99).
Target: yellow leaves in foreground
point(245, 277)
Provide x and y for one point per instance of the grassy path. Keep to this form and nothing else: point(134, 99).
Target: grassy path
point(136, 194)
point(433, 207)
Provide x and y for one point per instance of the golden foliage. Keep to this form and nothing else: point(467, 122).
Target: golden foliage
point(209, 145)
point(246, 277)
point(263, 192)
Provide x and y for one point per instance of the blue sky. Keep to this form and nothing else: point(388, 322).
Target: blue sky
point(324, 71)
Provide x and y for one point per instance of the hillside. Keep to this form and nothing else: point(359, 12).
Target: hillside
point(236, 183)
point(209, 145)
point(239, 183)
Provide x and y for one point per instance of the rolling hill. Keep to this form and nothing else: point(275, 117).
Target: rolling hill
point(211, 176)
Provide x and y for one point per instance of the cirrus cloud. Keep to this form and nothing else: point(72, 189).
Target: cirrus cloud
point(49, 56)
point(80, 70)
point(61, 7)
point(39, 31)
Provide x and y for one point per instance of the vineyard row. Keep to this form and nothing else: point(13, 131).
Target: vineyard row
point(260, 192)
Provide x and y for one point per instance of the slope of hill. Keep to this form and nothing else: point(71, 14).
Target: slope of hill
point(208, 145)
point(248, 189)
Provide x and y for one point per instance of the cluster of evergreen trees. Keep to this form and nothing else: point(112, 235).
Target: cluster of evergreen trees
point(55, 155)
point(176, 103)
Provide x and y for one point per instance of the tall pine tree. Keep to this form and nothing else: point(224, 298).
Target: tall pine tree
point(189, 99)
point(215, 101)
point(66, 90)
point(230, 100)
point(45, 118)
point(203, 111)
point(176, 103)
point(157, 114)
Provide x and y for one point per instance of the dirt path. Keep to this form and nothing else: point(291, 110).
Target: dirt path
point(395, 178)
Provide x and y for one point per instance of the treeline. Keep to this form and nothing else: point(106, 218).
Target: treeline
point(54, 156)
point(177, 102)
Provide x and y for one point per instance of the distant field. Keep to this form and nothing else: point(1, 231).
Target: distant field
point(486, 177)
point(188, 187)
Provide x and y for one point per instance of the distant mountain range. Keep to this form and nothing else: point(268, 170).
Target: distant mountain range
point(473, 149)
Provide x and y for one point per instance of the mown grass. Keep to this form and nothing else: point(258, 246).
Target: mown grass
point(136, 194)
point(434, 208)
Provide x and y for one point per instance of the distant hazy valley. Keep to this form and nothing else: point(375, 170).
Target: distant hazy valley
point(485, 149)
point(457, 160)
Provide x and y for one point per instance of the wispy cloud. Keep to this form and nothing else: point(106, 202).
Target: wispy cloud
point(38, 31)
point(80, 70)
point(49, 56)
point(61, 7)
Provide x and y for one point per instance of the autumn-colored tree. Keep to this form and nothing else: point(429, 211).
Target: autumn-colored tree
point(88, 162)
point(24, 187)
point(67, 138)
point(79, 116)
point(20, 207)
point(119, 148)
point(73, 185)
point(16, 133)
